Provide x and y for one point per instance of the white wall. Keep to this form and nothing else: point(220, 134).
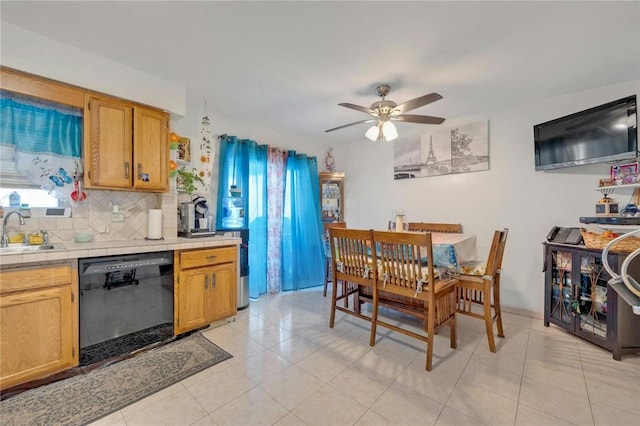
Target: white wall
point(190, 126)
point(510, 194)
point(30, 52)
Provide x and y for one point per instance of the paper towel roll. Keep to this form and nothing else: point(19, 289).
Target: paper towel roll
point(399, 222)
point(155, 224)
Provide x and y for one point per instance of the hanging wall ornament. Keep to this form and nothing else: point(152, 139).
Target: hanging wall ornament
point(329, 162)
point(206, 153)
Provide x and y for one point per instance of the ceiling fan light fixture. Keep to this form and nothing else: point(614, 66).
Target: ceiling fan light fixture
point(385, 110)
point(389, 131)
point(373, 133)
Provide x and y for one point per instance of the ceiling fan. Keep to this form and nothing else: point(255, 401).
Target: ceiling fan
point(384, 112)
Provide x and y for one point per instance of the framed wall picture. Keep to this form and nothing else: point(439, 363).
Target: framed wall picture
point(184, 149)
point(462, 149)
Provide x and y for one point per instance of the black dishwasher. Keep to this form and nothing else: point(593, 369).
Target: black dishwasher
point(126, 303)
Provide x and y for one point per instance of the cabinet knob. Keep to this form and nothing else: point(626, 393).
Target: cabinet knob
point(206, 281)
point(213, 280)
point(212, 256)
point(126, 169)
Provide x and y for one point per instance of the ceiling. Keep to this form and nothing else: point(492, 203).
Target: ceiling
point(286, 65)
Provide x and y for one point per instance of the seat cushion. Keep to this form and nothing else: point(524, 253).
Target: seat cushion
point(473, 267)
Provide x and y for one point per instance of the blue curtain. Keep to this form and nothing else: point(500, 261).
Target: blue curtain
point(233, 170)
point(257, 215)
point(243, 163)
point(302, 256)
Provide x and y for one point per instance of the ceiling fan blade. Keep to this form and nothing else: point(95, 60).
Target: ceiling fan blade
point(351, 124)
point(416, 103)
point(358, 108)
point(422, 119)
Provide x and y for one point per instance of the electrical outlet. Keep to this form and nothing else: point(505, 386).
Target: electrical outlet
point(116, 215)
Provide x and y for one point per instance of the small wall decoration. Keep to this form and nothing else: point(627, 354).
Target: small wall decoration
point(624, 174)
point(461, 149)
point(184, 149)
point(329, 161)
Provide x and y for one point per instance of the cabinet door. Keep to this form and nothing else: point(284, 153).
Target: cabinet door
point(150, 150)
point(223, 291)
point(108, 149)
point(38, 337)
point(192, 299)
point(332, 196)
point(559, 291)
point(593, 297)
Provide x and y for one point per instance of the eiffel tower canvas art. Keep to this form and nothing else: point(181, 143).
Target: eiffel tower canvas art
point(460, 149)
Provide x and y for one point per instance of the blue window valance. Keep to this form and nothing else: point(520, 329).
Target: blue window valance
point(43, 140)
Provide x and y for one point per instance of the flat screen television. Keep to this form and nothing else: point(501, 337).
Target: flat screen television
point(604, 133)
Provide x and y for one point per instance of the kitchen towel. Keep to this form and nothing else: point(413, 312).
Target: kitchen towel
point(155, 224)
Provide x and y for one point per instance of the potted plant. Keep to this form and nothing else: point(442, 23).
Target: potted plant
point(186, 180)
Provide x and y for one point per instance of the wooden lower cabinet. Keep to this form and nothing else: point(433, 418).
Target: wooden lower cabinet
point(38, 322)
point(205, 286)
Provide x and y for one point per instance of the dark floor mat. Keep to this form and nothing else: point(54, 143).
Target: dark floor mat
point(125, 344)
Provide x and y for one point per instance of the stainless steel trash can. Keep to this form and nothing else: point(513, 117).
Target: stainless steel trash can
point(243, 279)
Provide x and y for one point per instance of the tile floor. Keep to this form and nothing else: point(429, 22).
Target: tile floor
point(289, 368)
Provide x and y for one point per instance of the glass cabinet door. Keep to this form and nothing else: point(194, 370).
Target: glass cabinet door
point(593, 296)
point(562, 294)
point(332, 196)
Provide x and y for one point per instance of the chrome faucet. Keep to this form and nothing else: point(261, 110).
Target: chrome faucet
point(5, 237)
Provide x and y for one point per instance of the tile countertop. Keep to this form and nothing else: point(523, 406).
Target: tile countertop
point(74, 250)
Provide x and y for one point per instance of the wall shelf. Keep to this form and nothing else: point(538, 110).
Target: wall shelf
point(629, 185)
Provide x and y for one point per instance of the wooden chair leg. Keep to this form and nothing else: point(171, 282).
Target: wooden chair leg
point(334, 296)
point(374, 318)
point(496, 306)
point(430, 336)
point(327, 266)
point(452, 332)
point(488, 322)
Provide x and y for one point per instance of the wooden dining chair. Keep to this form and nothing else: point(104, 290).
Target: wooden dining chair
point(479, 285)
point(448, 228)
point(405, 280)
point(327, 253)
point(352, 266)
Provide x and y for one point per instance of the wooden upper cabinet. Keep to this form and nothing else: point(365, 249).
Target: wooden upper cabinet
point(108, 144)
point(126, 146)
point(151, 149)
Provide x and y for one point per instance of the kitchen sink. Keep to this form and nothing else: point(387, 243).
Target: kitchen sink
point(25, 248)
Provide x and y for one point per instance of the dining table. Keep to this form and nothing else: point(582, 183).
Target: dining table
point(450, 250)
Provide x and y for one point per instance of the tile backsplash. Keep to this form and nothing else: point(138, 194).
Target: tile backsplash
point(94, 216)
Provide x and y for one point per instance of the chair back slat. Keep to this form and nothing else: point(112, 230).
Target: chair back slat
point(352, 260)
point(399, 262)
point(449, 228)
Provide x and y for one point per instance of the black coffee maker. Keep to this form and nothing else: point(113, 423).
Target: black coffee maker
point(201, 208)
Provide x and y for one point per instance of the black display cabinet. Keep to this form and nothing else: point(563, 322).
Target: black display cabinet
point(578, 299)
